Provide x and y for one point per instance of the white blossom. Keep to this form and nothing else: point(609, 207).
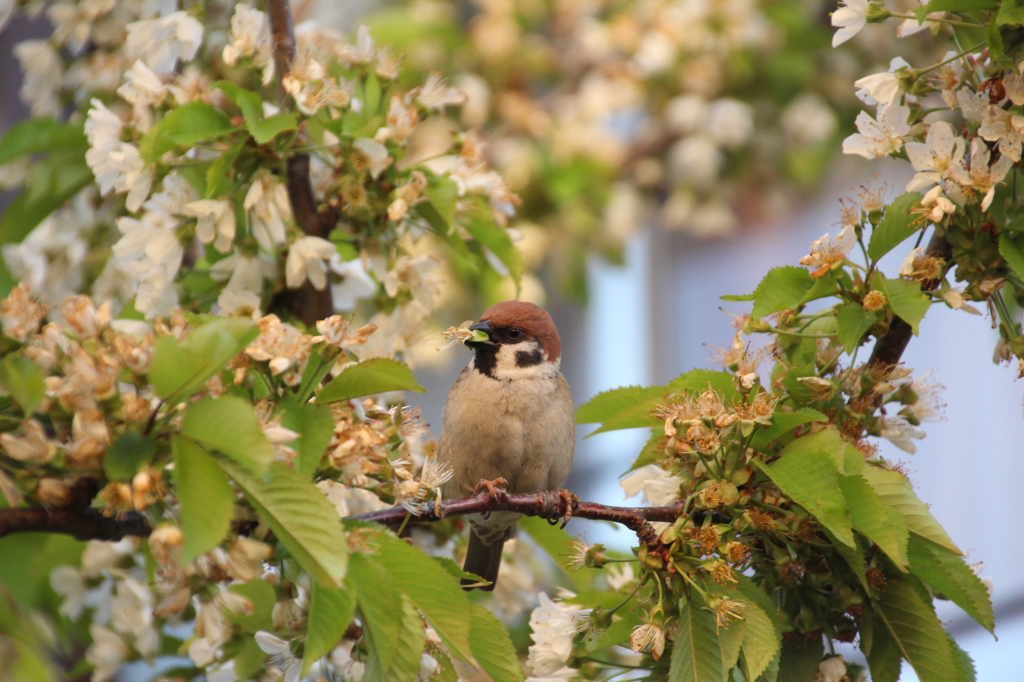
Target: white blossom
point(376, 153)
point(658, 487)
point(850, 18)
point(216, 222)
point(281, 656)
point(306, 260)
point(42, 74)
point(901, 433)
point(143, 87)
point(552, 629)
point(934, 158)
point(268, 207)
point(982, 178)
point(106, 653)
point(879, 138)
point(882, 88)
point(161, 42)
point(249, 36)
point(355, 283)
point(1006, 127)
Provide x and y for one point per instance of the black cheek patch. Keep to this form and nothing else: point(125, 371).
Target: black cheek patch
point(528, 358)
point(486, 359)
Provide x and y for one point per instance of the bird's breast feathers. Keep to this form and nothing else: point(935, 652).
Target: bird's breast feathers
point(520, 429)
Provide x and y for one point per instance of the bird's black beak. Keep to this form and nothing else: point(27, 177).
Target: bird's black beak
point(484, 327)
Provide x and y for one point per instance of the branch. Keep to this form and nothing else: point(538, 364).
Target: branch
point(91, 523)
point(312, 305)
point(87, 524)
point(75, 517)
point(553, 505)
point(889, 348)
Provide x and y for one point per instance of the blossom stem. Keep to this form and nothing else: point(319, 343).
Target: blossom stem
point(616, 665)
point(964, 53)
point(951, 22)
point(784, 332)
point(639, 584)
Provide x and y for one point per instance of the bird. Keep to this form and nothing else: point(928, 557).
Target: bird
point(508, 415)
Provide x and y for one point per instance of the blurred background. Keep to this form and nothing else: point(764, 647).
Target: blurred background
point(668, 153)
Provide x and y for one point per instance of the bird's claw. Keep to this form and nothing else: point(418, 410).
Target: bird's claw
point(572, 501)
point(495, 489)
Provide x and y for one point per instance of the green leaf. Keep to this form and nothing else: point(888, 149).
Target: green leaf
point(879, 522)
point(1011, 12)
point(730, 638)
point(442, 196)
point(896, 225)
point(249, 662)
point(480, 223)
point(207, 503)
point(956, 6)
point(853, 321)
point(618, 633)
point(373, 93)
point(917, 631)
point(697, 652)
point(330, 612)
point(315, 427)
point(608, 404)
point(55, 179)
point(378, 602)
point(431, 588)
point(949, 575)
point(763, 637)
point(884, 658)
point(700, 380)
point(781, 289)
point(229, 425)
point(555, 541)
point(630, 407)
point(263, 130)
point(783, 423)
point(377, 375)
point(736, 298)
point(220, 176)
point(183, 126)
point(896, 490)
point(811, 478)
point(907, 300)
point(412, 642)
point(263, 598)
point(492, 647)
point(180, 368)
point(1013, 252)
point(965, 671)
point(800, 663)
point(319, 366)
point(300, 516)
point(34, 135)
point(23, 379)
point(126, 455)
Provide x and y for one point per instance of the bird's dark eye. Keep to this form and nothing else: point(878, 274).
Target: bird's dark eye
point(514, 334)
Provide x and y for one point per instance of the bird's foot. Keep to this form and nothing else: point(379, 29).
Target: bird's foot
point(572, 502)
point(495, 489)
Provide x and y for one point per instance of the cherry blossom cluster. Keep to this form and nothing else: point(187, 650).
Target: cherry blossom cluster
point(378, 156)
point(958, 123)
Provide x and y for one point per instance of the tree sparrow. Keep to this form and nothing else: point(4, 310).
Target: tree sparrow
point(509, 415)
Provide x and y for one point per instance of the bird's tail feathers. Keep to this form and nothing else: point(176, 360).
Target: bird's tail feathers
point(484, 561)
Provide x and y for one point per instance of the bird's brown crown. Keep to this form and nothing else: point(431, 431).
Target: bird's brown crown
point(532, 319)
